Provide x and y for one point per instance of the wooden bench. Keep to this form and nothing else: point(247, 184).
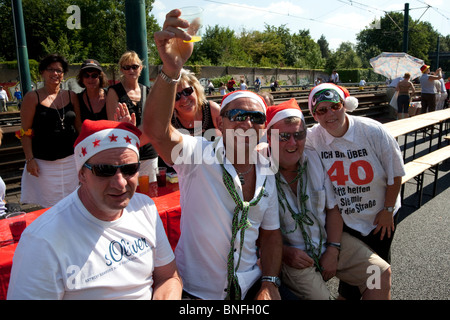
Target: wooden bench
point(414, 170)
point(433, 159)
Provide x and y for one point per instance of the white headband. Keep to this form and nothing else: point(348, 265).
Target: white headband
point(286, 113)
point(243, 94)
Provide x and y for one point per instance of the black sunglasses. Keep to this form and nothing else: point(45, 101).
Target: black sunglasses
point(242, 115)
point(185, 92)
point(109, 170)
point(134, 67)
point(94, 75)
point(286, 136)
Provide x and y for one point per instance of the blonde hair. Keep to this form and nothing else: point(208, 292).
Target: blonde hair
point(129, 57)
point(191, 79)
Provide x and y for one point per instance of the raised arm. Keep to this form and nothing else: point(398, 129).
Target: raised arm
point(160, 102)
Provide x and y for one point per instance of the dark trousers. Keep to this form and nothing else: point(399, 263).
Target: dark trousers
point(428, 101)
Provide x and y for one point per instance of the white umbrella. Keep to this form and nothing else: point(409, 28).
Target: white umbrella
point(395, 64)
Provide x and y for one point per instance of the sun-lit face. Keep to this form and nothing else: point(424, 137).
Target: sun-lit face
point(186, 105)
point(240, 134)
point(91, 78)
point(105, 197)
point(334, 121)
point(290, 145)
point(54, 73)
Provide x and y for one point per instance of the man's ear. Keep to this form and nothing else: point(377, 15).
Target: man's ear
point(82, 176)
point(219, 121)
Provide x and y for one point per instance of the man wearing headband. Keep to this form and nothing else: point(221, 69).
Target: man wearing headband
point(103, 241)
point(228, 196)
point(364, 163)
point(315, 249)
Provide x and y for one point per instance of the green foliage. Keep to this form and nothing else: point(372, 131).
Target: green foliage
point(102, 36)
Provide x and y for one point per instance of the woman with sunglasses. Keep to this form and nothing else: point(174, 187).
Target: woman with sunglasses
point(132, 93)
point(192, 111)
point(48, 133)
point(92, 99)
point(364, 164)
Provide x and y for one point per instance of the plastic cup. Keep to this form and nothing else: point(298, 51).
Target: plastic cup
point(144, 180)
point(161, 176)
point(194, 16)
point(17, 223)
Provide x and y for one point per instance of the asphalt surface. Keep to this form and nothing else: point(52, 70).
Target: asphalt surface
point(420, 252)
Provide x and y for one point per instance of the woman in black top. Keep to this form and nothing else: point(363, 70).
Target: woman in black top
point(192, 111)
point(133, 94)
point(48, 134)
point(92, 100)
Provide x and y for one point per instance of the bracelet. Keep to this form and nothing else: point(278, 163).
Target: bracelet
point(28, 160)
point(333, 244)
point(20, 133)
point(168, 79)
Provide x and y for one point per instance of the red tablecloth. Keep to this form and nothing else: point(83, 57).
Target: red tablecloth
point(167, 201)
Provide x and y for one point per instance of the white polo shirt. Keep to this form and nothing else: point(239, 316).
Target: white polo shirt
point(320, 197)
point(360, 165)
point(207, 212)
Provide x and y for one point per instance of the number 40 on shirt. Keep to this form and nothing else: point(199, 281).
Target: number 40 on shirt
point(337, 173)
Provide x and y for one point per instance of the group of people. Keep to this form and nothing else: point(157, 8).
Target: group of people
point(259, 220)
point(434, 93)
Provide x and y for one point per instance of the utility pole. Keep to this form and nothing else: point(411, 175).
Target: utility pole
point(405, 28)
point(136, 31)
point(21, 46)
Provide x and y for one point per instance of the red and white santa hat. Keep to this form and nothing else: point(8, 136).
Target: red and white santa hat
point(242, 94)
point(350, 103)
point(281, 111)
point(96, 136)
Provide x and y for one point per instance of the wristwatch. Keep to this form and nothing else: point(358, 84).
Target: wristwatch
point(275, 280)
point(389, 209)
point(168, 79)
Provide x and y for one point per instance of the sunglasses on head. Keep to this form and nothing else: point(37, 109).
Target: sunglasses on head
point(322, 110)
point(286, 136)
point(185, 92)
point(242, 115)
point(109, 170)
point(134, 67)
point(94, 75)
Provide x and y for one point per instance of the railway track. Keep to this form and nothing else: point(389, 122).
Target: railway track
point(372, 103)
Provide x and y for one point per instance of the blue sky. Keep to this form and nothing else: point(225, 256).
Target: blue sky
point(337, 20)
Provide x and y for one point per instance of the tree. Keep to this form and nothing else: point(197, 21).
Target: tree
point(389, 38)
point(324, 47)
point(102, 34)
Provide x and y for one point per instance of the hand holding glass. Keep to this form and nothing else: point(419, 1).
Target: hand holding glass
point(193, 15)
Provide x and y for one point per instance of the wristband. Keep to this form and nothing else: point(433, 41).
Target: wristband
point(28, 160)
point(168, 79)
point(333, 244)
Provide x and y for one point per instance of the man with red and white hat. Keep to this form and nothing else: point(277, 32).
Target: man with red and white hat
point(364, 163)
point(103, 241)
point(428, 92)
point(228, 196)
point(315, 249)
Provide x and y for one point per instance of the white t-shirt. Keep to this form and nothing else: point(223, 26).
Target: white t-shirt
point(67, 253)
point(360, 164)
point(2, 197)
point(320, 197)
point(207, 212)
